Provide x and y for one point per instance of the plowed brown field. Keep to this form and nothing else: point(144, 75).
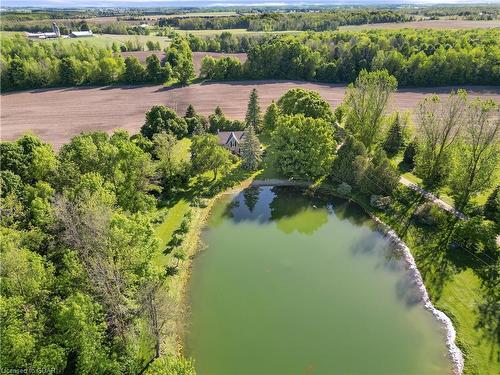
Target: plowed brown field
point(58, 114)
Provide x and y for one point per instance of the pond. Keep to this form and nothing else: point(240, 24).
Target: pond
point(291, 284)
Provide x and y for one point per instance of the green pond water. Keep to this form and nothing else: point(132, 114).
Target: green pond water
point(290, 284)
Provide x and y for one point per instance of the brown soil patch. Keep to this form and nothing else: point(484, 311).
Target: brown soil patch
point(56, 115)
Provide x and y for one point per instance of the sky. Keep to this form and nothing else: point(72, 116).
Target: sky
point(201, 3)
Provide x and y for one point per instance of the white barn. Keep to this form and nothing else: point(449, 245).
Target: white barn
point(81, 34)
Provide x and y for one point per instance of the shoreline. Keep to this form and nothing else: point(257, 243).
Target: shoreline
point(400, 247)
point(195, 245)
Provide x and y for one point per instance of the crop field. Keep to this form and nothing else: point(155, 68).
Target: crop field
point(427, 24)
point(58, 114)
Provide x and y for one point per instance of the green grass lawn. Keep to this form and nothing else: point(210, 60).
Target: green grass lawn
point(452, 277)
point(174, 213)
point(100, 40)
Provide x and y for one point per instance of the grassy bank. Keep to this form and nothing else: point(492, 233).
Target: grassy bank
point(452, 277)
point(196, 201)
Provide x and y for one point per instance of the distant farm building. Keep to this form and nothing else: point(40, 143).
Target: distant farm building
point(54, 34)
point(81, 34)
point(232, 140)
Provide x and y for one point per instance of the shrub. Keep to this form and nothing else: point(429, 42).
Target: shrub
point(344, 189)
point(429, 214)
point(476, 235)
point(380, 202)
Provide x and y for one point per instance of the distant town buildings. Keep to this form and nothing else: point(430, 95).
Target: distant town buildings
point(57, 34)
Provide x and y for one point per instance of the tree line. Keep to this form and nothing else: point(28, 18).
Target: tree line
point(27, 64)
point(68, 25)
point(301, 21)
point(415, 58)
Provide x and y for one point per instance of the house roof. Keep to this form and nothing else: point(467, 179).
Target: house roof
point(225, 137)
point(82, 33)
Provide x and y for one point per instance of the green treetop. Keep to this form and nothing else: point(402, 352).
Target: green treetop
point(253, 117)
point(251, 150)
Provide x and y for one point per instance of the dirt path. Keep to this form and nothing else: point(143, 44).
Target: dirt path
point(432, 198)
point(56, 115)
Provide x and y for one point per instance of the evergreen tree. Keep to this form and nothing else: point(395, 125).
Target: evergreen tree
point(68, 71)
point(199, 128)
point(253, 117)
point(394, 139)
point(218, 111)
point(378, 177)
point(271, 117)
point(190, 112)
point(217, 121)
point(342, 168)
point(251, 150)
point(410, 153)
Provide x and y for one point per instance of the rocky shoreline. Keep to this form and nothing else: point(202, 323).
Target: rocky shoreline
point(400, 247)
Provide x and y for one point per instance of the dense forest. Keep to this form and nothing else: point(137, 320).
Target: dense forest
point(255, 18)
point(27, 64)
point(415, 58)
point(68, 25)
point(321, 21)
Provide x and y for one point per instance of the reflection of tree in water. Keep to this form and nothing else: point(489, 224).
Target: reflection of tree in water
point(293, 211)
point(348, 210)
point(251, 197)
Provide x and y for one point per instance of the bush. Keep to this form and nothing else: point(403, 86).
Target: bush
point(344, 189)
point(476, 235)
point(429, 214)
point(380, 202)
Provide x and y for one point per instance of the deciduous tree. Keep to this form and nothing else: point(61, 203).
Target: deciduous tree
point(477, 153)
point(162, 119)
point(207, 155)
point(306, 102)
point(303, 146)
point(367, 100)
point(438, 127)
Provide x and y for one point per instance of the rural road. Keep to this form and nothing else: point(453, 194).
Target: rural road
point(58, 114)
